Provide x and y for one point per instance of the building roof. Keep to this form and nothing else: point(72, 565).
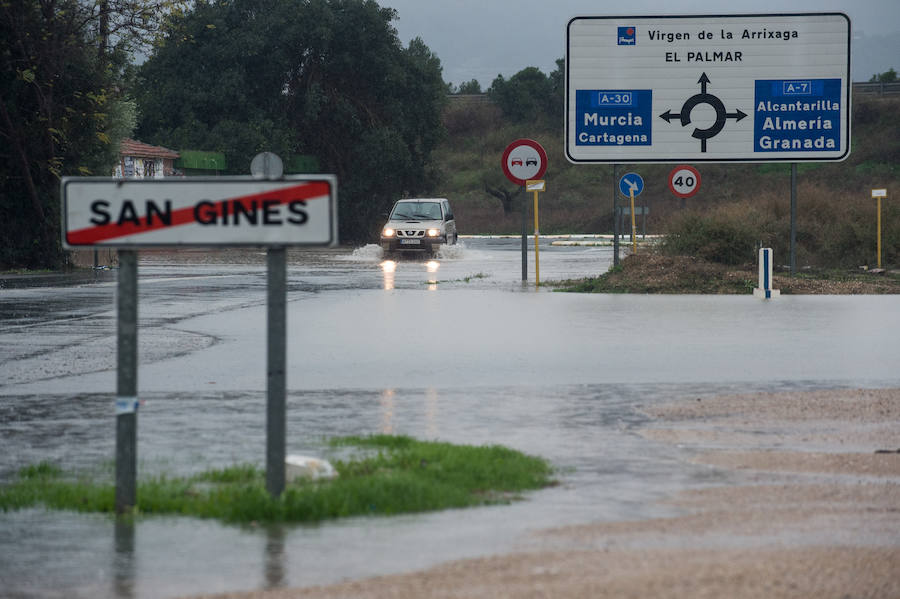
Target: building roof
point(131, 147)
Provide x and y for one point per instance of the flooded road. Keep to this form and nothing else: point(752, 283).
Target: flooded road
point(456, 348)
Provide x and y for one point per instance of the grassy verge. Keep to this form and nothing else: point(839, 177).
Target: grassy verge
point(394, 475)
point(654, 273)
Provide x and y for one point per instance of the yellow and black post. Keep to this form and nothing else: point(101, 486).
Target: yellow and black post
point(537, 186)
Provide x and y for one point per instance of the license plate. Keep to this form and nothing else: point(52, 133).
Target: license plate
point(410, 241)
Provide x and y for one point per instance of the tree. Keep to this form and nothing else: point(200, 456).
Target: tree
point(60, 110)
point(529, 95)
point(889, 76)
point(470, 87)
point(322, 77)
point(500, 190)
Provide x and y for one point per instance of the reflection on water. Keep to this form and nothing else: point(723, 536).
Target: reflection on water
point(388, 404)
point(123, 557)
point(386, 401)
point(432, 267)
point(431, 414)
point(274, 557)
point(388, 267)
point(389, 272)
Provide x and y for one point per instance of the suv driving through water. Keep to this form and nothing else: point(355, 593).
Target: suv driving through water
point(419, 224)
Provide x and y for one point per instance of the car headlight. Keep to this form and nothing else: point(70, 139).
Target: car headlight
point(434, 232)
point(388, 232)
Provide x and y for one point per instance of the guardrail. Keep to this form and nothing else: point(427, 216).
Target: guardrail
point(469, 98)
point(876, 88)
point(859, 88)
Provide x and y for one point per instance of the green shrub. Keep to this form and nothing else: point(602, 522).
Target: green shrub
point(711, 238)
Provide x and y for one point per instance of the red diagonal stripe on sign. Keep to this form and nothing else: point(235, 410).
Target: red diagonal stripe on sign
point(185, 216)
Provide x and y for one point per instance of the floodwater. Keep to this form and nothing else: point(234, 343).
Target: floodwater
point(456, 348)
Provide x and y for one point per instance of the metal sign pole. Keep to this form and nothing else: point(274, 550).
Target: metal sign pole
point(537, 255)
point(536, 186)
point(615, 188)
point(793, 218)
point(633, 226)
point(126, 383)
point(276, 322)
point(524, 236)
point(878, 226)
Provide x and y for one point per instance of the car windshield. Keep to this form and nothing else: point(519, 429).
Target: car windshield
point(417, 211)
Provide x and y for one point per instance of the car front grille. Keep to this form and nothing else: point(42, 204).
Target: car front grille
point(409, 233)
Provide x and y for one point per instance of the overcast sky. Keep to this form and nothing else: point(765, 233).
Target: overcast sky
point(479, 39)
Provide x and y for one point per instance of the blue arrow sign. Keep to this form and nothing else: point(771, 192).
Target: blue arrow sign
point(631, 183)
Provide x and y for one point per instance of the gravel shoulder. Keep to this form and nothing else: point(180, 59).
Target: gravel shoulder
point(814, 514)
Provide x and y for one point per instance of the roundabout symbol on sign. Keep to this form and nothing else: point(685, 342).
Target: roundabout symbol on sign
point(704, 98)
point(684, 181)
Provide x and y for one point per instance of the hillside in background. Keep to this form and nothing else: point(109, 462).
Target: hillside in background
point(836, 215)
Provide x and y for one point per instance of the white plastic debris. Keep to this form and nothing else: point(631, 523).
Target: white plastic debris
point(310, 468)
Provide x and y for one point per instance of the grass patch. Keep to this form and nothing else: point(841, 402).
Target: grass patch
point(391, 475)
point(466, 279)
point(27, 271)
point(651, 272)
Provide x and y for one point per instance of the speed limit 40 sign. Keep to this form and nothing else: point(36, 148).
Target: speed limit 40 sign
point(684, 181)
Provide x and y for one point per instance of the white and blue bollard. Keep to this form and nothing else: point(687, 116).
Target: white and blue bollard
point(765, 291)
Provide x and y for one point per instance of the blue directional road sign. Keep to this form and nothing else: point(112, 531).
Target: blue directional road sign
point(632, 183)
point(708, 88)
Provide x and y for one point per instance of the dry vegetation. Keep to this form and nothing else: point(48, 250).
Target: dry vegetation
point(651, 272)
point(749, 202)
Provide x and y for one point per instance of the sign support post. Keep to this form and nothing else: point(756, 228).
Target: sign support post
point(631, 185)
point(633, 226)
point(793, 218)
point(536, 186)
point(537, 255)
point(615, 215)
point(126, 383)
point(276, 323)
point(878, 194)
point(524, 238)
point(878, 243)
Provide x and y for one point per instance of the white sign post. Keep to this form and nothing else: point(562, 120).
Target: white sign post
point(743, 88)
point(224, 211)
